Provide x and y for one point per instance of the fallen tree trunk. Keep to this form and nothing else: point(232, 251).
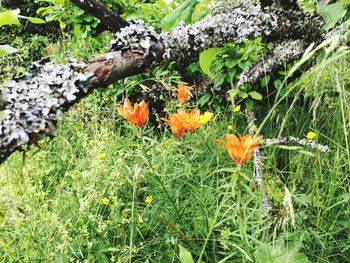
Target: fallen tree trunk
point(35, 102)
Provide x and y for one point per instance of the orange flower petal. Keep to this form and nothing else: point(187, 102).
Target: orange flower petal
point(137, 115)
point(183, 92)
point(240, 148)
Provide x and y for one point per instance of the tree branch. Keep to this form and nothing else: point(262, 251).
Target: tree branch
point(279, 57)
point(96, 9)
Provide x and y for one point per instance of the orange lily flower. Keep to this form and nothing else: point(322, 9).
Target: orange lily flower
point(183, 92)
point(191, 120)
point(186, 121)
point(240, 148)
point(137, 114)
point(176, 125)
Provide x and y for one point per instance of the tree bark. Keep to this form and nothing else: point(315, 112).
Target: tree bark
point(112, 20)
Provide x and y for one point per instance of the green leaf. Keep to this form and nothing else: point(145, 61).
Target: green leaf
point(36, 20)
point(6, 49)
point(77, 30)
point(9, 17)
point(249, 103)
point(289, 148)
point(279, 252)
point(233, 93)
point(219, 80)
point(244, 64)
point(206, 58)
point(182, 11)
point(62, 24)
point(277, 83)
point(332, 14)
point(243, 94)
point(265, 81)
point(204, 99)
point(185, 256)
point(200, 11)
point(186, 15)
point(231, 62)
point(307, 153)
point(255, 95)
point(231, 74)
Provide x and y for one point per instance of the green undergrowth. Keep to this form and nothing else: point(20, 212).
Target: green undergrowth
point(51, 205)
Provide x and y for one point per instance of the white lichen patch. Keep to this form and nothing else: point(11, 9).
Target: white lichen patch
point(238, 22)
point(278, 57)
point(136, 37)
point(36, 101)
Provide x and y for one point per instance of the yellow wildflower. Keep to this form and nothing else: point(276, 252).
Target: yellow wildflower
point(105, 201)
point(206, 116)
point(102, 155)
point(237, 108)
point(148, 199)
point(255, 128)
point(311, 135)
point(330, 106)
point(229, 127)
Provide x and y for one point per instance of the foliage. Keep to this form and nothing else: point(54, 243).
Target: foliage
point(333, 13)
point(188, 12)
point(11, 17)
point(224, 66)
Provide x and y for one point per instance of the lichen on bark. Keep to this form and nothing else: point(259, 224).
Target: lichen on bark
point(36, 101)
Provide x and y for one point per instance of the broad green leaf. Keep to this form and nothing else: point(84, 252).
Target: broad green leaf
point(206, 58)
point(277, 83)
point(244, 64)
point(9, 17)
point(200, 11)
point(332, 14)
point(233, 93)
point(36, 20)
point(219, 79)
point(186, 15)
point(172, 19)
point(204, 99)
point(231, 74)
point(265, 81)
point(279, 252)
point(255, 95)
point(249, 103)
point(231, 62)
point(243, 94)
point(6, 49)
point(77, 30)
point(62, 24)
point(184, 255)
